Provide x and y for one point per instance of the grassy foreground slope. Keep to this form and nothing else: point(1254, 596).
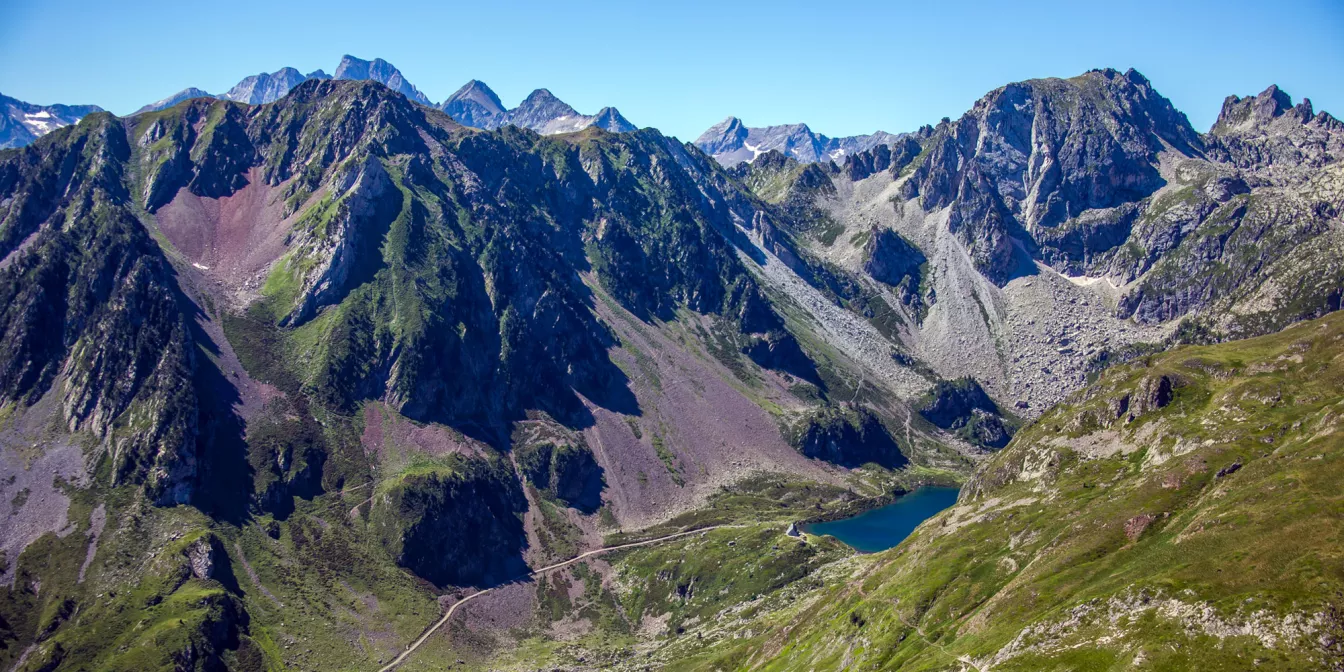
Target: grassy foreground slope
point(1184, 512)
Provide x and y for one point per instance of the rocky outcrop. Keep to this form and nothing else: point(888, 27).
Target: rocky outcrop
point(1268, 134)
point(563, 470)
point(458, 526)
point(847, 435)
point(892, 158)
point(893, 260)
point(201, 555)
point(286, 451)
point(963, 407)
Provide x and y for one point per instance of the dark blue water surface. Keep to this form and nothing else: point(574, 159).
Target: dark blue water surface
point(880, 529)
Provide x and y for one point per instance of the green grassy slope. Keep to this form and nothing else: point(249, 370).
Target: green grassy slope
point(1203, 533)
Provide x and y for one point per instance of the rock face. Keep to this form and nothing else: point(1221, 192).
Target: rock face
point(454, 527)
point(731, 142)
point(1028, 157)
point(201, 557)
point(893, 260)
point(846, 435)
point(21, 123)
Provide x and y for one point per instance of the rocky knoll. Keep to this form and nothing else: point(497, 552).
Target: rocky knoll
point(457, 526)
point(565, 471)
point(893, 260)
point(847, 435)
point(963, 406)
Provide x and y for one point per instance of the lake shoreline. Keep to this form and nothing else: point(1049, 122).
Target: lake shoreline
point(879, 528)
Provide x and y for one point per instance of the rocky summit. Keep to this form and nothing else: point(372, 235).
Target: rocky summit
point(316, 374)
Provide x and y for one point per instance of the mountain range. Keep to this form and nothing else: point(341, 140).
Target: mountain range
point(472, 105)
point(282, 380)
point(731, 142)
point(21, 123)
point(475, 104)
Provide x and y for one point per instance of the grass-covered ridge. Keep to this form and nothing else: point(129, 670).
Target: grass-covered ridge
point(1198, 528)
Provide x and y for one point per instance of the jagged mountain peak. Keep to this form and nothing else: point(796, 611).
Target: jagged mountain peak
point(380, 71)
point(543, 100)
point(475, 104)
point(264, 87)
point(544, 113)
point(480, 91)
point(609, 118)
point(725, 136)
point(732, 142)
point(1242, 114)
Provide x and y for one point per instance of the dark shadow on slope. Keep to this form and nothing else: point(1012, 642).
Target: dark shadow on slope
point(223, 478)
point(847, 435)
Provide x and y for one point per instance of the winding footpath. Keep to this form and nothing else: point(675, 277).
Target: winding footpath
point(538, 572)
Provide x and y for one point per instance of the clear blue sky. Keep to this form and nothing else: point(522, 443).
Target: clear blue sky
point(842, 67)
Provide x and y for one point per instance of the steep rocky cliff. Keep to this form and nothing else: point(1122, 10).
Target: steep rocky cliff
point(90, 309)
point(1065, 220)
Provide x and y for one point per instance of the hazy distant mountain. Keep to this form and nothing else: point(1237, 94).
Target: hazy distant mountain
point(22, 123)
point(270, 87)
point(184, 94)
point(264, 88)
point(732, 142)
point(476, 105)
point(379, 71)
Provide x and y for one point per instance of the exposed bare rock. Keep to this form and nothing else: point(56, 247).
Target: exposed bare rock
point(201, 556)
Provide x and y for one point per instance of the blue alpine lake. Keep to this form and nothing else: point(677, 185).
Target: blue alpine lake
point(880, 529)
